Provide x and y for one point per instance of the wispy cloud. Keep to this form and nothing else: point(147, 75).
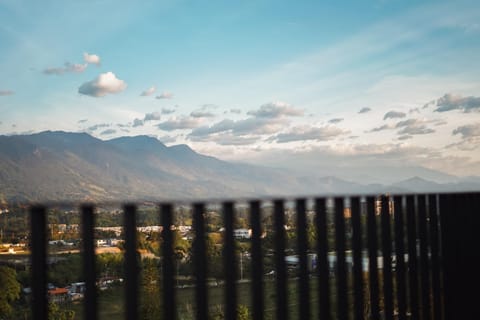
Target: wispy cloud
point(165, 95)
point(4, 93)
point(276, 110)
point(149, 91)
point(468, 131)
point(335, 120)
point(105, 83)
point(394, 114)
point(304, 133)
point(108, 132)
point(202, 114)
point(179, 124)
point(67, 68)
point(137, 122)
point(365, 110)
point(455, 102)
point(168, 110)
point(152, 116)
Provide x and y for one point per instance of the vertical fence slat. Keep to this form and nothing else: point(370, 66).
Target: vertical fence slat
point(88, 223)
point(448, 235)
point(400, 257)
point(304, 292)
point(168, 281)
point(372, 258)
point(280, 267)
point(412, 257)
point(322, 258)
point(200, 261)
point(424, 264)
point(131, 265)
point(229, 263)
point(387, 258)
point(257, 262)
point(357, 259)
point(341, 275)
point(38, 276)
point(435, 255)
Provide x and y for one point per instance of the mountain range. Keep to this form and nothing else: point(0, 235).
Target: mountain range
point(60, 166)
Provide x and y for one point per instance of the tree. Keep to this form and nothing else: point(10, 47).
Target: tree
point(9, 290)
point(55, 313)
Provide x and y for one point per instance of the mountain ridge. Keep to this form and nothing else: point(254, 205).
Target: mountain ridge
point(58, 166)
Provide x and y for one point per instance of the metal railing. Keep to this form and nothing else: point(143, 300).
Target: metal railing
point(421, 250)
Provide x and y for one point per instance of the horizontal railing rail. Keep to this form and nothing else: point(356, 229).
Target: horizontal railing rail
point(392, 257)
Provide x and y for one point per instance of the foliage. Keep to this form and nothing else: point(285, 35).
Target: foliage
point(68, 269)
point(243, 313)
point(150, 290)
point(9, 290)
point(56, 313)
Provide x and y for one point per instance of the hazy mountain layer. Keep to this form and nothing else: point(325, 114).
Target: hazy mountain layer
point(77, 166)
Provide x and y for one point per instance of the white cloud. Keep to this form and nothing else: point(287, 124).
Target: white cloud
point(276, 110)
point(105, 83)
point(149, 91)
point(165, 95)
point(91, 58)
point(303, 133)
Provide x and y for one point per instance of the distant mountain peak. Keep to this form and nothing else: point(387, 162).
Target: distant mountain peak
point(137, 142)
point(181, 148)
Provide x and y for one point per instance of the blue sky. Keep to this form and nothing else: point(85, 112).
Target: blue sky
point(255, 80)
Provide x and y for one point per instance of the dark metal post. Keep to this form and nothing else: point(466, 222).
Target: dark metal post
point(372, 258)
point(412, 257)
point(88, 223)
point(280, 267)
point(131, 264)
point(257, 262)
point(304, 290)
point(357, 259)
point(169, 299)
point(200, 261)
point(229, 263)
point(387, 258)
point(322, 257)
point(341, 279)
point(38, 241)
point(400, 257)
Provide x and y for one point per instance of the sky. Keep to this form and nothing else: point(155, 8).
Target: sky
point(321, 83)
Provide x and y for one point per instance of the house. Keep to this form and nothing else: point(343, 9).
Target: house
point(58, 295)
point(242, 233)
